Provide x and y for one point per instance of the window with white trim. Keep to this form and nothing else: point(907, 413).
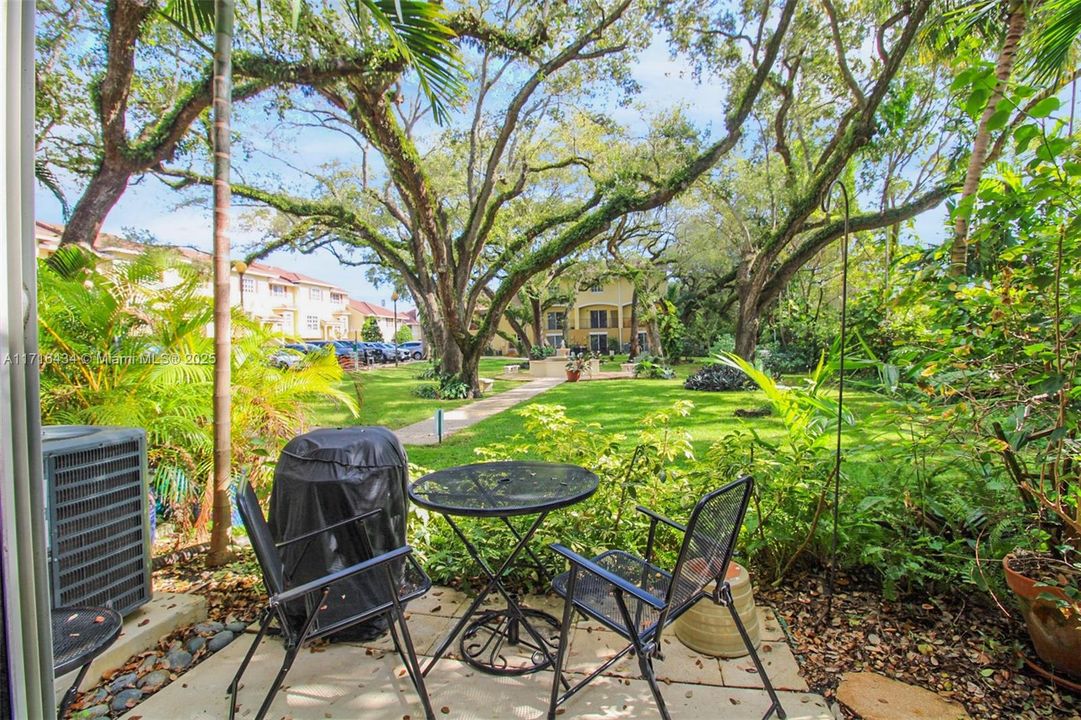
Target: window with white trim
point(277, 290)
point(337, 297)
point(247, 284)
point(315, 294)
point(312, 322)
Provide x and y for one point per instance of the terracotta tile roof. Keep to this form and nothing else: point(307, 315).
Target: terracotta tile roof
point(367, 308)
point(49, 234)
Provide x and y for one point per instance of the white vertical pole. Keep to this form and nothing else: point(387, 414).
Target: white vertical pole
point(27, 631)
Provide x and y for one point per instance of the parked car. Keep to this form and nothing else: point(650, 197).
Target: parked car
point(288, 356)
point(413, 348)
point(390, 351)
point(373, 351)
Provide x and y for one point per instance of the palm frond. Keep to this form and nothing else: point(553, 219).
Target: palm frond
point(44, 175)
point(1049, 51)
point(193, 16)
point(417, 30)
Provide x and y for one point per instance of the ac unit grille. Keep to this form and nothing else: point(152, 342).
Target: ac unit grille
point(98, 519)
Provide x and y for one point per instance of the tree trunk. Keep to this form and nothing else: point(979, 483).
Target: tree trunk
point(100, 196)
point(470, 372)
point(653, 332)
point(450, 355)
point(519, 331)
point(538, 326)
point(223, 65)
point(747, 315)
point(634, 326)
point(746, 335)
point(1016, 22)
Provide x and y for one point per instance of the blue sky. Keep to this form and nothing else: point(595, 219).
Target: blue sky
point(151, 206)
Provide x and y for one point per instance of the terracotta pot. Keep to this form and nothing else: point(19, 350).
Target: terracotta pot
point(1056, 638)
point(708, 628)
point(573, 375)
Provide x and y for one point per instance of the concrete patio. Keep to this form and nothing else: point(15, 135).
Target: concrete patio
point(366, 680)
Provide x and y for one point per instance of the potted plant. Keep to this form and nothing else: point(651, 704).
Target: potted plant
point(1047, 581)
point(595, 363)
point(575, 366)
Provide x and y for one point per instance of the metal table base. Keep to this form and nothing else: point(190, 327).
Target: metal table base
point(486, 637)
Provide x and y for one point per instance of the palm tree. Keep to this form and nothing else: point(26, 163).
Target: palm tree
point(1054, 26)
point(224, 15)
point(1016, 20)
point(416, 31)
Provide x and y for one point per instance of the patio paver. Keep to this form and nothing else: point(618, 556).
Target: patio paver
point(346, 680)
point(423, 432)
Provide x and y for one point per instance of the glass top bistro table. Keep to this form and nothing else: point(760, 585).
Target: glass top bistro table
point(503, 490)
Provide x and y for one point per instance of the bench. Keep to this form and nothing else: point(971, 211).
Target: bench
point(485, 384)
point(511, 369)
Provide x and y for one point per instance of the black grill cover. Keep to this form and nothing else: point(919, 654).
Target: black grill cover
point(326, 476)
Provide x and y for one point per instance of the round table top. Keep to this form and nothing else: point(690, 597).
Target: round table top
point(80, 634)
point(501, 489)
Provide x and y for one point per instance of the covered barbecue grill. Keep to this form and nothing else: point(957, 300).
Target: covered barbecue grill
point(324, 477)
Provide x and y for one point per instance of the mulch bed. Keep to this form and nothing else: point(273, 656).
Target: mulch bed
point(959, 647)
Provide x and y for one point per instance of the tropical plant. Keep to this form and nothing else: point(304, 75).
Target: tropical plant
point(577, 364)
point(449, 387)
point(122, 346)
point(718, 377)
point(654, 368)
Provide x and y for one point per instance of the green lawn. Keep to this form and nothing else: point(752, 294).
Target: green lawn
point(385, 395)
point(618, 405)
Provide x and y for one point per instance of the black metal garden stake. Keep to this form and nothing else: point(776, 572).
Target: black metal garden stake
point(830, 578)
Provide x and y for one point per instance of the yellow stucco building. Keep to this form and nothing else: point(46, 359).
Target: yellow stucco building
point(599, 320)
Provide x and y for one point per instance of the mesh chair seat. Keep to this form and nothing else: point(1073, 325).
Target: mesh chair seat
point(637, 599)
point(597, 597)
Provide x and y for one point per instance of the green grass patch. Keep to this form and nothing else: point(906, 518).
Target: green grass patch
point(618, 406)
point(385, 395)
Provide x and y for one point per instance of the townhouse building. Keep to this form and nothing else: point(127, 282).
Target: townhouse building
point(598, 319)
point(293, 305)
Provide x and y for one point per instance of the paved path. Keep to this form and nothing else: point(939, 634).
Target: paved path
point(423, 432)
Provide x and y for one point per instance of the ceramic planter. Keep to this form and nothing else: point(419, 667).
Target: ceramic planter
point(708, 628)
point(1056, 637)
point(573, 375)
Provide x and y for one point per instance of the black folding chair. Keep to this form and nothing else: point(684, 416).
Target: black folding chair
point(391, 579)
point(638, 599)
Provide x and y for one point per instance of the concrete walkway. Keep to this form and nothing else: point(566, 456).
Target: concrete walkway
point(423, 432)
point(368, 682)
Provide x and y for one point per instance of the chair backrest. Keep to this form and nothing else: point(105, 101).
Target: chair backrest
point(709, 541)
point(270, 560)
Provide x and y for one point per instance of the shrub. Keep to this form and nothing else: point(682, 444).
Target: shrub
point(431, 371)
point(653, 368)
point(450, 387)
point(428, 392)
point(717, 377)
point(133, 351)
point(540, 352)
point(725, 343)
